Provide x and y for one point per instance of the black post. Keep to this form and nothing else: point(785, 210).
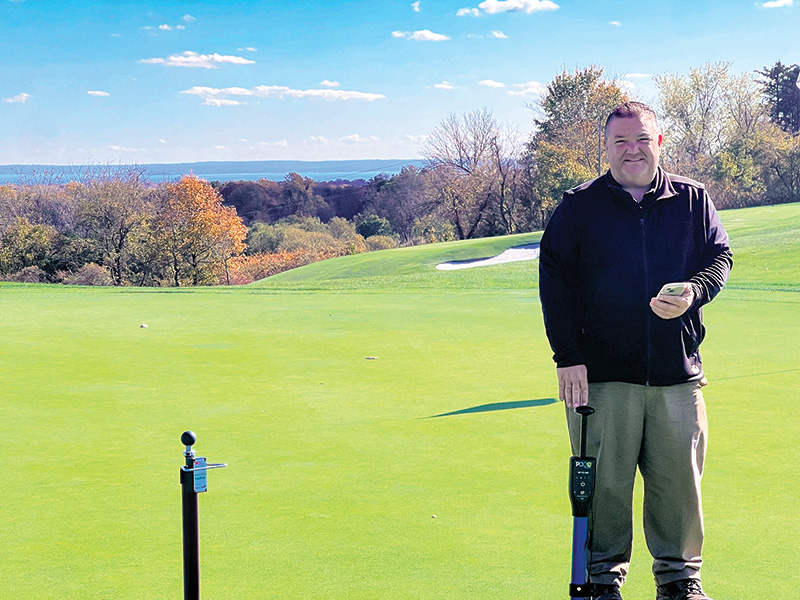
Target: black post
point(191, 537)
point(584, 412)
point(581, 488)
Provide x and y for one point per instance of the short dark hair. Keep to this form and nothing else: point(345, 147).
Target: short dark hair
point(628, 110)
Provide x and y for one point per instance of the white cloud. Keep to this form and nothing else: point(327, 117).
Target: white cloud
point(357, 139)
point(281, 91)
point(445, 85)
point(98, 93)
point(19, 98)
point(168, 27)
point(331, 84)
point(491, 83)
point(615, 23)
point(415, 6)
point(220, 96)
point(193, 59)
point(637, 75)
point(777, 3)
point(493, 7)
point(248, 49)
point(162, 141)
point(468, 12)
point(125, 149)
point(499, 34)
point(530, 88)
point(221, 102)
point(424, 35)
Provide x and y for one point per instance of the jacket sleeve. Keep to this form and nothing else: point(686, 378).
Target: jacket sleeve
point(559, 289)
point(717, 259)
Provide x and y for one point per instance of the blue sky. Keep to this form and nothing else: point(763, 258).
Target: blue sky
point(141, 82)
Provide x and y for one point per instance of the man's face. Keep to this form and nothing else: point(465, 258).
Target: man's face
point(633, 147)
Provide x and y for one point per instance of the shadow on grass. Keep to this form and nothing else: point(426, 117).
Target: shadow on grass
point(497, 406)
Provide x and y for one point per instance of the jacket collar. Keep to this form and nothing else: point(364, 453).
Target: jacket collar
point(660, 188)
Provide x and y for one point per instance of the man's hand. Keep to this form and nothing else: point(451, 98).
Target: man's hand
point(672, 307)
point(573, 385)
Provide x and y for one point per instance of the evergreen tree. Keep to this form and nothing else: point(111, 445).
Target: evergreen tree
point(783, 95)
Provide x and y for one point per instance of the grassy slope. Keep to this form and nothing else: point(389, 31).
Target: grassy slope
point(766, 245)
point(336, 468)
point(412, 268)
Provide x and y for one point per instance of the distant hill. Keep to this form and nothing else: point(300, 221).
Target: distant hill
point(276, 170)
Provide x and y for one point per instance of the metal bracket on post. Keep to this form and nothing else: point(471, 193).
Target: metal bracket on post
point(191, 485)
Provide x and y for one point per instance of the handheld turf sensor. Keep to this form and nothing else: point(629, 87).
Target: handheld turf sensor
point(581, 489)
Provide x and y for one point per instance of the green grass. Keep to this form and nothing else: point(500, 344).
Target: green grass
point(338, 463)
point(766, 245)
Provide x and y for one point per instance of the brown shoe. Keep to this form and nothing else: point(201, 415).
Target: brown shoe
point(683, 589)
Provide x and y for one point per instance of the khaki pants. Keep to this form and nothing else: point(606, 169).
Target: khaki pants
point(662, 431)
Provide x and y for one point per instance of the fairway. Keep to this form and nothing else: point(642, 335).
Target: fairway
point(391, 432)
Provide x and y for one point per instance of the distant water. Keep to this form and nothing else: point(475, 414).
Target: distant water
point(347, 176)
point(217, 171)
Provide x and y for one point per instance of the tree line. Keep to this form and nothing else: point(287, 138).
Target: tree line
point(738, 134)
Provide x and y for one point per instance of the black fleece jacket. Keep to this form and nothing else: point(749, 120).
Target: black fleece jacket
point(603, 256)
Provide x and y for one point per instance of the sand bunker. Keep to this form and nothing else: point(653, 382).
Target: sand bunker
point(517, 253)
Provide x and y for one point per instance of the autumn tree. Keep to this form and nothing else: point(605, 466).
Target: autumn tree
point(471, 158)
point(572, 113)
point(47, 203)
point(717, 130)
point(404, 198)
point(693, 114)
point(255, 201)
point(24, 245)
point(299, 197)
point(548, 171)
point(566, 147)
point(109, 210)
point(783, 168)
point(9, 201)
point(199, 233)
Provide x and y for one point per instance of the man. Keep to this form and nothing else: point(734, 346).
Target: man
point(631, 351)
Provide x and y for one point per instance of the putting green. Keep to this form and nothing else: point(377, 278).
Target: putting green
point(318, 387)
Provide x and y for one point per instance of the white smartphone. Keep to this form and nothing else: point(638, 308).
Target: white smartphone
point(672, 289)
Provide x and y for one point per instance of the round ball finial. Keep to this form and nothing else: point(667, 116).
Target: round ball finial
point(188, 438)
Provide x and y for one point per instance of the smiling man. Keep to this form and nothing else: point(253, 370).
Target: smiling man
point(626, 263)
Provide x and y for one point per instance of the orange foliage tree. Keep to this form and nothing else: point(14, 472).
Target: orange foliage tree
point(200, 235)
point(246, 269)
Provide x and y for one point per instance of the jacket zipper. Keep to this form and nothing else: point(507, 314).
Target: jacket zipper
point(646, 287)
